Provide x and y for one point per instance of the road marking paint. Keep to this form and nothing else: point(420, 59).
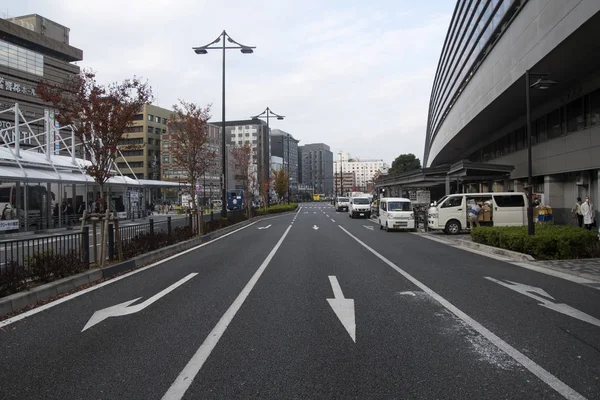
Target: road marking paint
point(113, 280)
point(343, 308)
point(189, 372)
point(332, 220)
point(545, 376)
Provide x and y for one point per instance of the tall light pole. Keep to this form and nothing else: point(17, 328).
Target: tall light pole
point(204, 50)
point(341, 175)
point(267, 114)
point(540, 83)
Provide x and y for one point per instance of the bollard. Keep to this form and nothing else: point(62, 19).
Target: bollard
point(169, 228)
point(198, 220)
point(111, 242)
point(190, 221)
point(151, 226)
point(85, 244)
point(211, 215)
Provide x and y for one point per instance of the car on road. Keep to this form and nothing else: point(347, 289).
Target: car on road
point(396, 213)
point(359, 207)
point(342, 203)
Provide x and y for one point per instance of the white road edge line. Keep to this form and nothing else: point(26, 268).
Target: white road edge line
point(562, 388)
point(98, 286)
point(189, 372)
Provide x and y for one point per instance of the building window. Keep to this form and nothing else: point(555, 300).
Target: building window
point(150, 129)
point(164, 121)
point(138, 117)
point(540, 130)
point(575, 120)
point(595, 108)
point(150, 117)
point(150, 141)
point(157, 120)
point(554, 125)
point(165, 159)
point(18, 57)
point(165, 145)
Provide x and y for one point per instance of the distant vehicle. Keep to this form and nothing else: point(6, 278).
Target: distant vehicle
point(318, 197)
point(235, 199)
point(396, 213)
point(450, 213)
point(359, 207)
point(217, 203)
point(342, 203)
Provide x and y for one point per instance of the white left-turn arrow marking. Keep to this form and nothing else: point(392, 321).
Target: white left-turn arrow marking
point(124, 309)
point(266, 227)
point(544, 302)
point(315, 227)
point(343, 308)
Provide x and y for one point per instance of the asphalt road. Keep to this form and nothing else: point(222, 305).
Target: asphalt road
point(313, 305)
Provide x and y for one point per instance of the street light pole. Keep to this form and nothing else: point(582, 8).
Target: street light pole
point(541, 83)
point(267, 113)
point(341, 176)
point(204, 50)
point(288, 168)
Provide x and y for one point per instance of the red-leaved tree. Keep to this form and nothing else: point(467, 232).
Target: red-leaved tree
point(100, 115)
point(189, 141)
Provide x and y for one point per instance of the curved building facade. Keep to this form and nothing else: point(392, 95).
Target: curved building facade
point(477, 110)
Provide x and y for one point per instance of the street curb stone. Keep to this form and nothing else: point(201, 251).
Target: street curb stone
point(513, 255)
point(17, 301)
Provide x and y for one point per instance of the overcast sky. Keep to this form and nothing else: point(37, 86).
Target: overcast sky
point(353, 74)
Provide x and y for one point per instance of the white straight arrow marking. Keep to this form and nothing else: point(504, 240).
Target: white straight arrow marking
point(369, 227)
point(315, 227)
point(343, 308)
point(124, 309)
point(266, 227)
point(558, 307)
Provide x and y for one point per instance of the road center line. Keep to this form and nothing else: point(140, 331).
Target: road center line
point(189, 372)
point(562, 388)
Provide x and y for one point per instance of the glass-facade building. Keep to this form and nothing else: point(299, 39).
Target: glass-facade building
point(475, 27)
point(482, 117)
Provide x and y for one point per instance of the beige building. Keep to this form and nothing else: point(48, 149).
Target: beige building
point(144, 137)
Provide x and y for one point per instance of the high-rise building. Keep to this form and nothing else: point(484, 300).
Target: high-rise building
point(254, 133)
point(346, 184)
point(363, 170)
point(317, 167)
point(32, 48)
point(285, 146)
point(141, 144)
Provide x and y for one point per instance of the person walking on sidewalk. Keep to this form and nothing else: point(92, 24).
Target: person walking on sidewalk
point(576, 210)
point(587, 209)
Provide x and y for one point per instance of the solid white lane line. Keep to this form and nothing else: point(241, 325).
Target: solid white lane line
point(562, 388)
point(185, 378)
point(113, 280)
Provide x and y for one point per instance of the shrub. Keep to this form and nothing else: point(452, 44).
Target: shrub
point(145, 242)
point(46, 266)
point(278, 208)
point(551, 242)
point(12, 278)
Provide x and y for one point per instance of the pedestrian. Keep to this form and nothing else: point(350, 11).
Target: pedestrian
point(576, 210)
point(587, 209)
point(474, 214)
point(7, 212)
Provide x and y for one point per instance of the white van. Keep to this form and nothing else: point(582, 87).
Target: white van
point(359, 207)
point(396, 213)
point(341, 203)
point(450, 213)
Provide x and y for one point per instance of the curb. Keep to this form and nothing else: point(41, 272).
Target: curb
point(513, 255)
point(17, 301)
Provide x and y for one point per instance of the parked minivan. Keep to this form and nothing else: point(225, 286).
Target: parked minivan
point(396, 213)
point(342, 203)
point(450, 213)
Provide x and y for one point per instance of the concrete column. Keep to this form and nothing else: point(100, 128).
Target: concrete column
point(447, 186)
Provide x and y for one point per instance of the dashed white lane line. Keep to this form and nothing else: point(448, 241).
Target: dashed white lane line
point(332, 220)
point(562, 388)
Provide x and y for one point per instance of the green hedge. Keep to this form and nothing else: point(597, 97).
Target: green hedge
point(278, 208)
point(550, 242)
